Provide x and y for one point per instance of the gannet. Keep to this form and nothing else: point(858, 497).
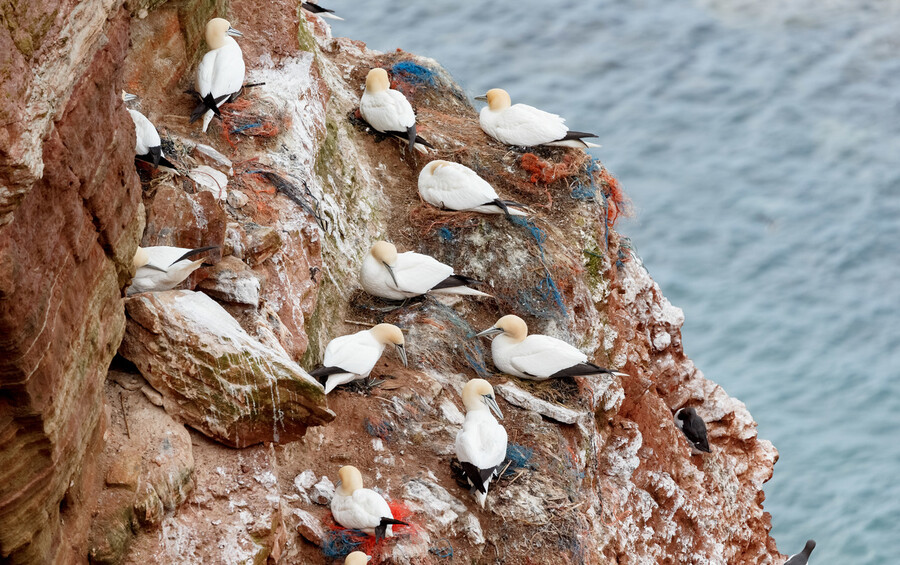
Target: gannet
point(148, 145)
point(163, 268)
point(387, 274)
point(388, 111)
point(694, 429)
point(524, 125)
point(357, 558)
point(802, 558)
point(481, 443)
point(360, 508)
point(536, 357)
point(320, 11)
point(453, 186)
point(220, 75)
point(352, 357)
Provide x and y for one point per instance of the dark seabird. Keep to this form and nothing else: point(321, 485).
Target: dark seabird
point(694, 428)
point(320, 11)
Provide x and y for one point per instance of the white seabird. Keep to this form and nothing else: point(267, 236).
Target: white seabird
point(163, 268)
point(359, 508)
point(694, 429)
point(802, 558)
point(388, 111)
point(481, 443)
point(320, 11)
point(526, 126)
point(398, 276)
point(220, 74)
point(536, 357)
point(356, 558)
point(148, 145)
point(453, 186)
point(352, 357)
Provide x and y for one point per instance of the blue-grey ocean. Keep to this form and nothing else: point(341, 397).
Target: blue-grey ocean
point(760, 143)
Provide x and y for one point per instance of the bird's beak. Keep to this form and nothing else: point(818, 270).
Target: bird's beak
point(128, 97)
point(234, 32)
point(482, 98)
point(492, 404)
point(489, 332)
point(338, 484)
point(393, 276)
point(401, 349)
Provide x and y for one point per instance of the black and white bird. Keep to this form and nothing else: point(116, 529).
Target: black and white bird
point(359, 508)
point(388, 111)
point(148, 145)
point(452, 186)
point(694, 429)
point(351, 357)
point(536, 357)
point(398, 276)
point(314, 8)
point(802, 558)
point(481, 443)
point(526, 126)
point(220, 75)
point(164, 268)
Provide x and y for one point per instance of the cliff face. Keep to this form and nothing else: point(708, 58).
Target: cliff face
point(293, 189)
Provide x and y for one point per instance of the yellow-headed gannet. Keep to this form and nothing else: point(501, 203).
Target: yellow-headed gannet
point(452, 186)
point(398, 276)
point(314, 8)
point(802, 558)
point(526, 126)
point(220, 75)
point(360, 508)
point(352, 357)
point(148, 145)
point(536, 357)
point(481, 443)
point(356, 558)
point(694, 429)
point(388, 111)
point(163, 268)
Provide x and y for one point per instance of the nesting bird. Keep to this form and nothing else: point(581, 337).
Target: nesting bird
point(352, 357)
point(220, 75)
point(452, 186)
point(526, 126)
point(694, 429)
point(802, 558)
point(148, 145)
point(398, 276)
point(481, 443)
point(388, 111)
point(164, 268)
point(536, 357)
point(320, 11)
point(360, 508)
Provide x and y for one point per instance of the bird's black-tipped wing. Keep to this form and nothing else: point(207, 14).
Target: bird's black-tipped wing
point(404, 136)
point(577, 135)
point(381, 529)
point(477, 477)
point(316, 9)
point(454, 281)
point(155, 158)
point(207, 103)
point(322, 373)
point(580, 369)
point(194, 252)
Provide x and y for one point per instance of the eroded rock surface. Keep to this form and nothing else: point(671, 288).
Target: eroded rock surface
point(214, 376)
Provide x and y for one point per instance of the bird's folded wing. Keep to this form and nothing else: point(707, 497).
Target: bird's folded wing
point(419, 273)
point(371, 507)
point(542, 356)
point(205, 72)
point(228, 76)
point(457, 188)
point(355, 353)
point(531, 126)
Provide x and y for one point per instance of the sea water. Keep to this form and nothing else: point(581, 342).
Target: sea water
point(760, 143)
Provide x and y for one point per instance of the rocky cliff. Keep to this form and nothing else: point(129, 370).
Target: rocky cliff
point(207, 441)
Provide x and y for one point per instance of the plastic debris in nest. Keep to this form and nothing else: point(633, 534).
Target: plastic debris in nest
point(339, 541)
point(462, 334)
point(427, 219)
point(546, 172)
point(376, 427)
point(408, 76)
point(535, 300)
point(518, 457)
point(256, 117)
point(444, 549)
